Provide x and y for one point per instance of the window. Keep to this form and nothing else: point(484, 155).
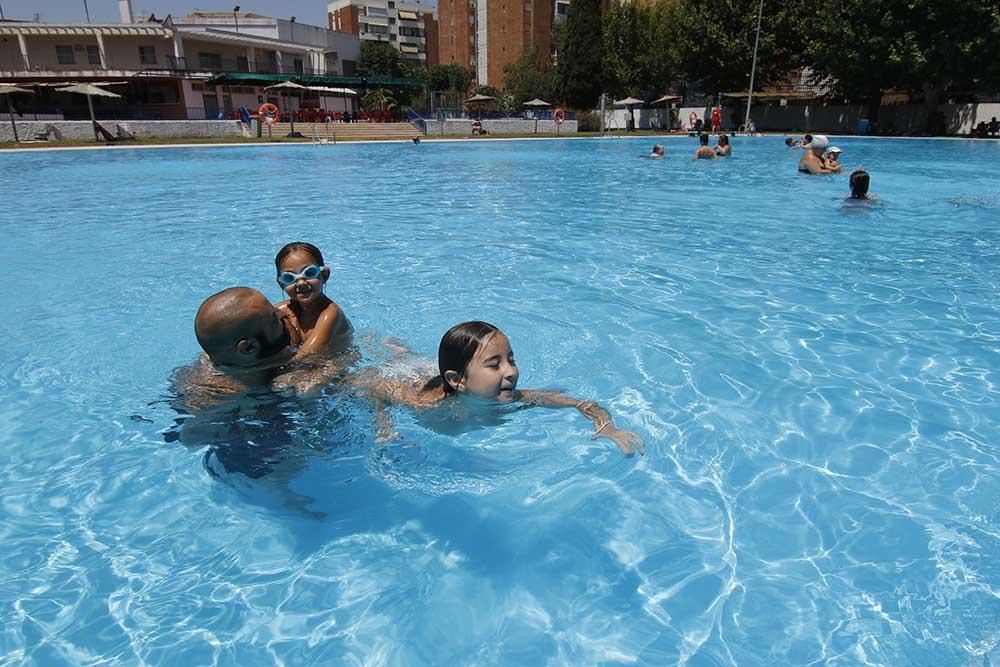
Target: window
point(297, 64)
point(147, 55)
point(392, 21)
point(209, 60)
point(242, 64)
point(376, 11)
point(64, 55)
point(392, 5)
point(93, 54)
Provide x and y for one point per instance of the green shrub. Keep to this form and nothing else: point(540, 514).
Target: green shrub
point(587, 121)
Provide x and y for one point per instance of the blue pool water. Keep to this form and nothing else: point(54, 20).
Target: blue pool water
point(817, 386)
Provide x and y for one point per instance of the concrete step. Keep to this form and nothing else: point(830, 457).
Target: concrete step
point(348, 130)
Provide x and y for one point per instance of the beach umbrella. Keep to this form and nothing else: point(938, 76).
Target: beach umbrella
point(9, 90)
point(324, 90)
point(282, 87)
point(666, 99)
point(89, 90)
point(629, 103)
point(479, 98)
point(536, 103)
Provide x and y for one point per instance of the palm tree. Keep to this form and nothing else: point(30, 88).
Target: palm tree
point(379, 99)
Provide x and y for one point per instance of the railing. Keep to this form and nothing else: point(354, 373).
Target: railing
point(242, 65)
point(464, 114)
point(416, 119)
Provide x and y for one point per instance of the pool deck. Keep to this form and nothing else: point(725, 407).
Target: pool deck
point(645, 137)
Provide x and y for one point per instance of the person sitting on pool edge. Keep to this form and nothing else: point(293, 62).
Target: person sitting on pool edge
point(657, 151)
point(704, 152)
point(723, 148)
point(475, 370)
point(812, 161)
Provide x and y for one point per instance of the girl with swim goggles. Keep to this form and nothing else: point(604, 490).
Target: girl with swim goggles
point(302, 276)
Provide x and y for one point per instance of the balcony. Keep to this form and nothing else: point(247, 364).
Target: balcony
point(241, 65)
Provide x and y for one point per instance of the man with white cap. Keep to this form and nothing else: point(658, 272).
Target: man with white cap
point(812, 161)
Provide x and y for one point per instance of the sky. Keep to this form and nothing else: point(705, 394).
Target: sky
point(106, 11)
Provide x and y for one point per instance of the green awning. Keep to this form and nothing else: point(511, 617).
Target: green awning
point(245, 78)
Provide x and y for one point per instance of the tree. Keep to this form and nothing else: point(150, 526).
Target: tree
point(449, 77)
point(715, 41)
point(379, 99)
point(628, 58)
point(910, 44)
point(382, 59)
point(579, 66)
point(528, 77)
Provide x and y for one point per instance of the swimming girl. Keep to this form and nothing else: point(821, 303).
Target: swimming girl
point(859, 185)
point(475, 363)
point(318, 321)
point(657, 151)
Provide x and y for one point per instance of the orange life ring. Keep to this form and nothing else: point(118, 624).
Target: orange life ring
point(692, 119)
point(558, 116)
point(268, 112)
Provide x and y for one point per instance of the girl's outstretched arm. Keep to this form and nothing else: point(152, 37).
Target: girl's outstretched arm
point(604, 426)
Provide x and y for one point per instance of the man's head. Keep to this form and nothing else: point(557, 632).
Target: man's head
point(239, 327)
point(819, 144)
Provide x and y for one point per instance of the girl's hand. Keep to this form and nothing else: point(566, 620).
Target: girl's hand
point(627, 441)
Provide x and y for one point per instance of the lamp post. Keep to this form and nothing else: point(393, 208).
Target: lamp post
point(236, 18)
point(86, 10)
point(753, 68)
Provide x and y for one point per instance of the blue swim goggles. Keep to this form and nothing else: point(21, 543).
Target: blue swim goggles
point(311, 272)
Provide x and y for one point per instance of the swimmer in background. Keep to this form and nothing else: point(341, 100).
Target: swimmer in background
point(722, 148)
point(704, 152)
point(833, 159)
point(859, 185)
point(476, 364)
point(319, 322)
point(657, 151)
point(812, 161)
point(806, 141)
point(792, 143)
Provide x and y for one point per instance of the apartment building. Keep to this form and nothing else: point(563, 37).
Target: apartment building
point(168, 69)
point(411, 28)
point(487, 35)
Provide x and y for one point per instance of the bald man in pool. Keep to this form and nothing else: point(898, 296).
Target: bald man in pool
point(248, 345)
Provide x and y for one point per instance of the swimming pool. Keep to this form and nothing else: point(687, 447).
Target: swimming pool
point(817, 386)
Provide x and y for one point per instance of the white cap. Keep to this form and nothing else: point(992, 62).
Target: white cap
point(834, 149)
point(820, 141)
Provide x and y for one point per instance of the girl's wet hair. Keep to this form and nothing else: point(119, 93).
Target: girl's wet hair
point(723, 140)
point(789, 141)
point(859, 183)
point(458, 346)
point(301, 246)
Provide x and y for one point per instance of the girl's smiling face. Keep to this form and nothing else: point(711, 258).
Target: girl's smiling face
point(304, 290)
point(492, 372)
